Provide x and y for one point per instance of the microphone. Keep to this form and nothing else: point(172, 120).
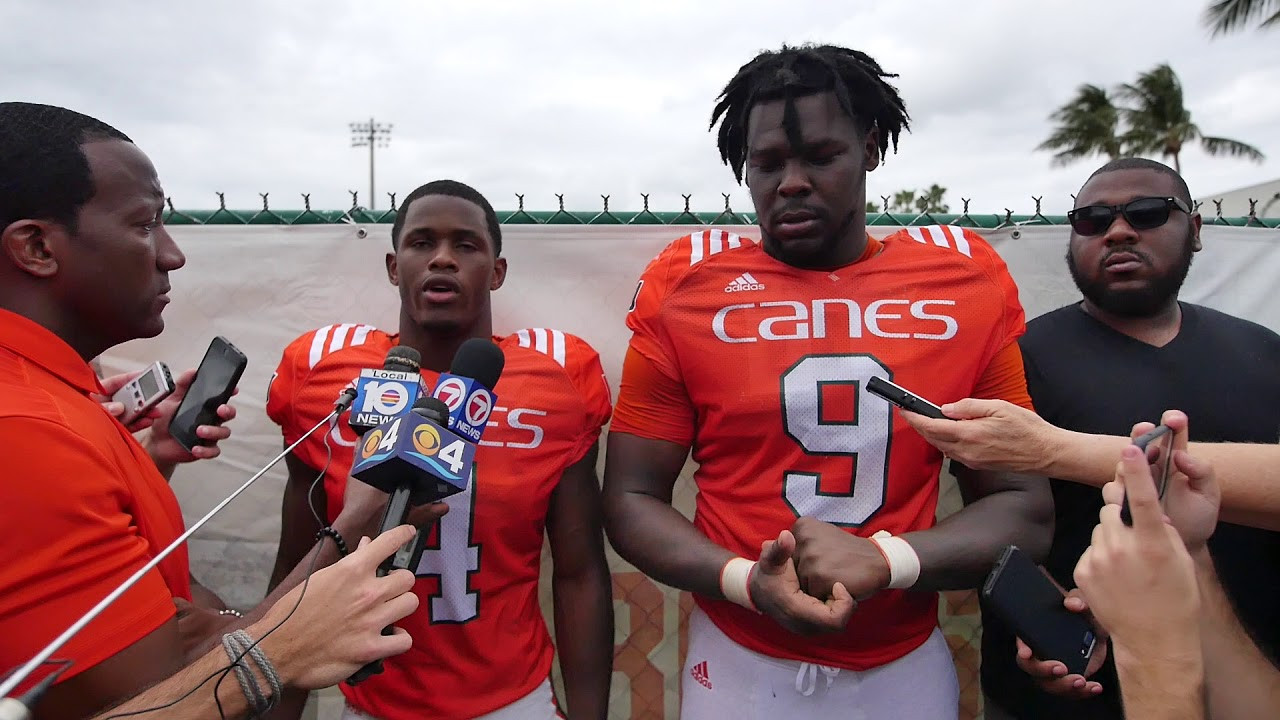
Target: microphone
point(383, 394)
point(466, 389)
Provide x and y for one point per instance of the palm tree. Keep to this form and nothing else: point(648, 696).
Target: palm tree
point(1087, 125)
point(1226, 16)
point(1159, 122)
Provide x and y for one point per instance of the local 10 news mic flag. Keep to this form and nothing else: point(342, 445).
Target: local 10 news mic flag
point(381, 395)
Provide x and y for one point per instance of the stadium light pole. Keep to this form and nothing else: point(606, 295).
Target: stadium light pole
point(372, 134)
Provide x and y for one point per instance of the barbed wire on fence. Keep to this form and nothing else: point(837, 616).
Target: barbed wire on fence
point(358, 214)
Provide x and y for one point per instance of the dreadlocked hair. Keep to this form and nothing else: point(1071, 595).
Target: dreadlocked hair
point(858, 81)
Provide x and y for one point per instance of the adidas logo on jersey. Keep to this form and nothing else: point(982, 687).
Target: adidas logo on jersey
point(743, 283)
point(699, 673)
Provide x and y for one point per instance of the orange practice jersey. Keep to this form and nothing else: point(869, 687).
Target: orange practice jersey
point(774, 360)
point(479, 639)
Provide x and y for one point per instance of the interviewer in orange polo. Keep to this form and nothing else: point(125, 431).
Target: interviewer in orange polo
point(84, 265)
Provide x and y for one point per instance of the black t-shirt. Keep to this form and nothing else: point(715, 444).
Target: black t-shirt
point(1224, 373)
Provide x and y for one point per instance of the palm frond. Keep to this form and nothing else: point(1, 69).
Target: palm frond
point(1231, 148)
point(1227, 16)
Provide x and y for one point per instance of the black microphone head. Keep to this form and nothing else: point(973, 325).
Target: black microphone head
point(404, 359)
point(480, 360)
point(432, 409)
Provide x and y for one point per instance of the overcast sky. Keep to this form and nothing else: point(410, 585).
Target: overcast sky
point(588, 98)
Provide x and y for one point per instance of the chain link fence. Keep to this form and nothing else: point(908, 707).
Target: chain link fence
point(358, 214)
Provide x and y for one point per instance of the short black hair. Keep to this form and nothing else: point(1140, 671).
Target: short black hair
point(855, 77)
point(44, 174)
point(1141, 163)
point(452, 188)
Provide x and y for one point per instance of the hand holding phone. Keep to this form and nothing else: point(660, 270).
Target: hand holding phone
point(1030, 603)
point(903, 398)
point(215, 381)
point(1158, 447)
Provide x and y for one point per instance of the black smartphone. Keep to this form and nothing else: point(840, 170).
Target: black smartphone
point(1158, 447)
point(1024, 597)
point(903, 398)
point(215, 380)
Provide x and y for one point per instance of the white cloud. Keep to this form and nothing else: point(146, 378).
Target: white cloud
point(588, 99)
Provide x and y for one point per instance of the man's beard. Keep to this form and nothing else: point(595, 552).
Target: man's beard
point(1138, 303)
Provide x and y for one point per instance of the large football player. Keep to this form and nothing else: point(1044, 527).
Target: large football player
point(813, 554)
point(480, 644)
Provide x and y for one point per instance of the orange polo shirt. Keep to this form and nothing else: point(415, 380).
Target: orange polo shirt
point(83, 507)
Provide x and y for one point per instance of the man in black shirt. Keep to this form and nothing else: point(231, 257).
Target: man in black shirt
point(1124, 354)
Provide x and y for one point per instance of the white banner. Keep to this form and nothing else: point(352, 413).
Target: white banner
point(262, 286)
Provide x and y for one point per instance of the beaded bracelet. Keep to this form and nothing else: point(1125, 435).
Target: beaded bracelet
point(337, 539)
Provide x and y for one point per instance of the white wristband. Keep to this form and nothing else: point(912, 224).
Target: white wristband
point(735, 582)
point(904, 564)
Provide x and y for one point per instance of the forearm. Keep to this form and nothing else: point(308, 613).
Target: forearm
point(664, 545)
point(584, 639)
point(958, 552)
point(1239, 680)
point(1249, 474)
point(199, 705)
point(1162, 681)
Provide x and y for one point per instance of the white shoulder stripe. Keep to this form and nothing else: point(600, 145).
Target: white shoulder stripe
point(947, 236)
point(703, 245)
point(696, 250)
point(957, 237)
point(938, 236)
point(361, 334)
point(557, 347)
point(340, 337)
point(546, 341)
point(332, 338)
point(317, 345)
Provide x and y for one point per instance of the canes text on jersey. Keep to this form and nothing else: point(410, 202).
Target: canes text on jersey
point(890, 318)
point(522, 430)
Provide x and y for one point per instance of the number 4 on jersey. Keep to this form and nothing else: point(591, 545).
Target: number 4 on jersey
point(453, 560)
point(864, 440)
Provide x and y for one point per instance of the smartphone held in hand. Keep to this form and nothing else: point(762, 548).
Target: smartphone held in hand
point(1030, 603)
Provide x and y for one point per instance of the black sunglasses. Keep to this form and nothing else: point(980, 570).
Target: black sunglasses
point(1141, 214)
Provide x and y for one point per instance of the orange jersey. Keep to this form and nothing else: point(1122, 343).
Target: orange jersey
point(479, 638)
point(771, 362)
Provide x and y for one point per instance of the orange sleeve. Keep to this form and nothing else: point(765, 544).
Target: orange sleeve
point(70, 540)
point(1005, 378)
point(284, 383)
point(652, 404)
point(582, 364)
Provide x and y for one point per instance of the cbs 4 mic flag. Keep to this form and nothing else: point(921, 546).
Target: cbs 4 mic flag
point(406, 447)
point(469, 403)
point(382, 395)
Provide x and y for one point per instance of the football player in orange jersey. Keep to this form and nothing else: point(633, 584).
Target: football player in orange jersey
point(756, 357)
point(480, 644)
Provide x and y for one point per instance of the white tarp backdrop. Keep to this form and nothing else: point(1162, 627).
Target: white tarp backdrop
point(262, 286)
